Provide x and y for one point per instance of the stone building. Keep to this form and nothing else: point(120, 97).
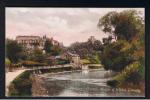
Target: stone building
point(30, 42)
point(73, 58)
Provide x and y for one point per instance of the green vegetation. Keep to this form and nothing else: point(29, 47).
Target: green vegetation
point(61, 61)
point(87, 50)
point(85, 61)
point(7, 62)
point(29, 63)
point(48, 46)
point(21, 86)
point(125, 55)
point(115, 57)
point(14, 51)
point(51, 49)
point(37, 55)
point(19, 55)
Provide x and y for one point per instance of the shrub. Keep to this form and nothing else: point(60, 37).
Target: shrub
point(129, 75)
point(133, 77)
point(113, 83)
point(114, 58)
point(21, 85)
point(94, 59)
point(7, 62)
point(32, 63)
point(16, 65)
point(61, 61)
point(142, 68)
point(85, 61)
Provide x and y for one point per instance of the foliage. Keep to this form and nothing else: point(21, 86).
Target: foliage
point(129, 75)
point(14, 51)
point(52, 49)
point(48, 46)
point(114, 58)
point(36, 55)
point(16, 65)
point(94, 59)
point(7, 62)
point(123, 25)
point(133, 77)
point(21, 85)
point(61, 61)
point(142, 68)
point(85, 61)
point(85, 49)
point(29, 63)
point(56, 50)
point(126, 54)
point(112, 83)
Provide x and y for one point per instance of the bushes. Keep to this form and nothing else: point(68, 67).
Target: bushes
point(114, 58)
point(133, 77)
point(61, 61)
point(32, 63)
point(21, 86)
point(94, 59)
point(7, 62)
point(129, 75)
point(113, 83)
point(85, 61)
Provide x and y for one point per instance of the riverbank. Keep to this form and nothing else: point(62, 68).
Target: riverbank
point(10, 76)
point(77, 83)
point(30, 84)
point(22, 84)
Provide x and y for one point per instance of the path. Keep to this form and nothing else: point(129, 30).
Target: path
point(10, 76)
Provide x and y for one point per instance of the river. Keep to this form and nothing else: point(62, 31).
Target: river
point(86, 83)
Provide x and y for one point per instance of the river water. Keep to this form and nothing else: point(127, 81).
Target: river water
point(86, 83)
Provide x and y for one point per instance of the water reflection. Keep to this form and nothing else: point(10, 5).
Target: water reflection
point(85, 71)
point(84, 83)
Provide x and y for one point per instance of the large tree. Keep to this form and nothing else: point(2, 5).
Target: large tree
point(48, 47)
point(37, 55)
point(14, 51)
point(128, 29)
point(124, 25)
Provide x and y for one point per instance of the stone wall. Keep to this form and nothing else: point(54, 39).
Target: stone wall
point(38, 86)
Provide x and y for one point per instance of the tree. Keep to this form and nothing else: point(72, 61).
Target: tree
point(56, 50)
point(14, 51)
point(48, 46)
point(114, 58)
point(124, 25)
point(7, 63)
point(38, 55)
point(85, 49)
point(107, 41)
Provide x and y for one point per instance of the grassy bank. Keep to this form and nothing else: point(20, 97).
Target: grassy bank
point(129, 78)
point(22, 85)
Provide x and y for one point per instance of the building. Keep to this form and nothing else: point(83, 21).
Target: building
point(73, 58)
point(30, 42)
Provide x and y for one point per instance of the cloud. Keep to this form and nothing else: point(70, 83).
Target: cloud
point(66, 25)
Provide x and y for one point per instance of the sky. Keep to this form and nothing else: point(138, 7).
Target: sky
point(66, 25)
